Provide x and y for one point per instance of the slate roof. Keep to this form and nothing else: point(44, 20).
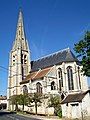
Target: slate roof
point(56, 58)
point(36, 75)
point(75, 97)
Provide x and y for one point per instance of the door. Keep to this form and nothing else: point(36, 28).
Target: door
point(75, 113)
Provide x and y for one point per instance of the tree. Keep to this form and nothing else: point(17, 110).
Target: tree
point(54, 101)
point(23, 100)
point(35, 98)
point(14, 101)
point(82, 48)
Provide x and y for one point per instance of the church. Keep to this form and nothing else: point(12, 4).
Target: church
point(57, 73)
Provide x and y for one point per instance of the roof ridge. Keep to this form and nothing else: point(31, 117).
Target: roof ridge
point(52, 54)
point(36, 74)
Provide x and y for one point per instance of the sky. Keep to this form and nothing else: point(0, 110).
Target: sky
point(50, 26)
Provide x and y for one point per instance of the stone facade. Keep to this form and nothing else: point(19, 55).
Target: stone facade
point(58, 73)
point(19, 66)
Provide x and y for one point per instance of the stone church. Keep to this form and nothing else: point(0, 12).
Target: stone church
point(57, 73)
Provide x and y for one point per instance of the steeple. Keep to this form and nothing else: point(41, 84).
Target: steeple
point(20, 39)
point(19, 60)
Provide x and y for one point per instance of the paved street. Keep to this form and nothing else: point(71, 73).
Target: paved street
point(12, 116)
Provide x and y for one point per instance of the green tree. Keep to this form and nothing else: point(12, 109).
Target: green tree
point(14, 101)
point(23, 100)
point(54, 101)
point(82, 48)
point(35, 98)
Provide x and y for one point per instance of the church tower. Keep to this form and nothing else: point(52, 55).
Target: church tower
point(19, 63)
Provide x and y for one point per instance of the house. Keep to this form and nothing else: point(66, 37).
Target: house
point(57, 73)
point(3, 102)
point(76, 105)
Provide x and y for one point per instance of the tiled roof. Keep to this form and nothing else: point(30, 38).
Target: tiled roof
point(74, 97)
point(36, 75)
point(42, 73)
point(56, 58)
point(3, 97)
point(29, 77)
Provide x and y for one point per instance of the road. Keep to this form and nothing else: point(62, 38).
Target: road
point(12, 116)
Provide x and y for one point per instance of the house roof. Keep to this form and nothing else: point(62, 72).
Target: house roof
point(3, 97)
point(75, 97)
point(56, 58)
point(36, 75)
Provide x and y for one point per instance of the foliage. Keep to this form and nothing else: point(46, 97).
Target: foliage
point(59, 113)
point(26, 99)
point(23, 100)
point(54, 101)
point(20, 100)
point(14, 101)
point(82, 48)
point(35, 98)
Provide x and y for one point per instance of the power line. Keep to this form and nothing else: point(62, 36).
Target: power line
point(6, 69)
point(16, 72)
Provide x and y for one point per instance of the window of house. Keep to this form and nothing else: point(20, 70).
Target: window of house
point(39, 88)
point(53, 87)
point(76, 104)
point(25, 89)
point(70, 78)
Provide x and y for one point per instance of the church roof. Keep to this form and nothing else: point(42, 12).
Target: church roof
point(74, 97)
point(56, 58)
point(36, 75)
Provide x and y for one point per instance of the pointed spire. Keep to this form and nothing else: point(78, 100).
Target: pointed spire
point(20, 39)
point(20, 20)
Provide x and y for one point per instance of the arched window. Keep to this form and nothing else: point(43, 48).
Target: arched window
point(60, 78)
point(25, 89)
point(60, 73)
point(70, 78)
point(39, 88)
point(53, 85)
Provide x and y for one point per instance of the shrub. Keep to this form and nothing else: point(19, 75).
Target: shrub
point(59, 113)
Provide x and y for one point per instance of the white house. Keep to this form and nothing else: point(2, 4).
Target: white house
point(3, 102)
point(76, 105)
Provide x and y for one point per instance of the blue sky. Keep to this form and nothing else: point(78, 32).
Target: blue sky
point(50, 26)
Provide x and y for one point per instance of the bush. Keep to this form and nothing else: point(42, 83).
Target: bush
point(59, 113)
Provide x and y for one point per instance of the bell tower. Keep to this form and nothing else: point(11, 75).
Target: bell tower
point(19, 63)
